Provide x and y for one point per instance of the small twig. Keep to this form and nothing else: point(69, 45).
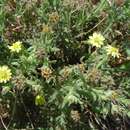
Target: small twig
point(91, 28)
point(3, 123)
point(96, 25)
point(17, 28)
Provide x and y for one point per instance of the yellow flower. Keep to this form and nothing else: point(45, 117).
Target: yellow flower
point(5, 74)
point(16, 47)
point(96, 40)
point(113, 51)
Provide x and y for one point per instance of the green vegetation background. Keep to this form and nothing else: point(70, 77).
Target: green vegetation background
point(59, 82)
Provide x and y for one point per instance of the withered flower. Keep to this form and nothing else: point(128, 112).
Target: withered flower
point(47, 29)
point(54, 17)
point(94, 75)
point(81, 67)
point(75, 115)
point(18, 82)
point(40, 54)
point(46, 72)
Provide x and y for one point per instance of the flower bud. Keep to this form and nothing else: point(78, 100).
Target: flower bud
point(39, 100)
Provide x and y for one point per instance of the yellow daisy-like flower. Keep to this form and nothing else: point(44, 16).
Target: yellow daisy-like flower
point(16, 47)
point(113, 51)
point(5, 74)
point(96, 40)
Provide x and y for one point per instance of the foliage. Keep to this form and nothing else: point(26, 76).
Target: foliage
point(70, 67)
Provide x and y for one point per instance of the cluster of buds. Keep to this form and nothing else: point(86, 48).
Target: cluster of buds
point(46, 72)
point(54, 17)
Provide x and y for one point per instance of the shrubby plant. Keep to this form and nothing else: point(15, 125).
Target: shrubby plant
point(64, 65)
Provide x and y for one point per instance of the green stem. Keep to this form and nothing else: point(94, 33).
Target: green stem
point(102, 62)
